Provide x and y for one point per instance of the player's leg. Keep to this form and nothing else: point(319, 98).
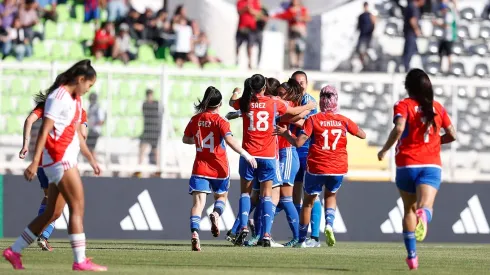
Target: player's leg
point(312, 188)
point(53, 210)
point(220, 189)
point(246, 176)
point(316, 217)
point(266, 175)
point(42, 241)
point(427, 185)
point(331, 187)
point(405, 181)
point(71, 188)
point(298, 185)
point(290, 167)
point(198, 188)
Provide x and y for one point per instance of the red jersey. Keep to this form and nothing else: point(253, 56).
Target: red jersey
point(246, 19)
point(103, 40)
point(209, 130)
point(283, 142)
point(39, 111)
point(258, 126)
point(291, 16)
point(419, 145)
point(328, 149)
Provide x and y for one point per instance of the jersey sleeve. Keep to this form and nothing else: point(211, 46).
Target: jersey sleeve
point(224, 127)
point(446, 121)
point(236, 104)
point(308, 127)
point(84, 117)
point(188, 132)
point(38, 110)
point(400, 110)
point(54, 108)
point(351, 126)
point(282, 107)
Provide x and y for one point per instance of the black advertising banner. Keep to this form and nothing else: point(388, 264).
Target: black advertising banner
point(125, 208)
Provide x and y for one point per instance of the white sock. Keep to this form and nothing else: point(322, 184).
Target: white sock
point(77, 242)
point(24, 240)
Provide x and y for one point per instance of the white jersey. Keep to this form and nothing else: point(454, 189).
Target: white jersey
point(62, 145)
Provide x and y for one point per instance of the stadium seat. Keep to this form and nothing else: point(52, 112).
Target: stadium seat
point(17, 86)
point(458, 69)
point(50, 30)
point(138, 127)
point(24, 105)
point(480, 49)
point(118, 107)
point(463, 32)
point(391, 29)
point(468, 14)
point(80, 13)
point(134, 108)
point(35, 86)
point(63, 13)
point(70, 31)
point(458, 48)
point(58, 52)
point(75, 51)
point(212, 66)
point(146, 54)
point(14, 125)
point(39, 50)
point(438, 32)
point(7, 107)
point(190, 65)
point(481, 70)
point(87, 32)
point(433, 68)
point(485, 32)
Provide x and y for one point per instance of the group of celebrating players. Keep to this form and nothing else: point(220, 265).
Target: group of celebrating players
point(288, 148)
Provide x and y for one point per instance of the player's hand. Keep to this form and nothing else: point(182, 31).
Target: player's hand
point(252, 162)
point(381, 155)
point(237, 91)
point(281, 130)
point(23, 152)
point(232, 115)
point(311, 105)
point(31, 171)
point(96, 168)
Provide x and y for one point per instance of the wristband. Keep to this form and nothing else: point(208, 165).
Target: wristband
point(245, 154)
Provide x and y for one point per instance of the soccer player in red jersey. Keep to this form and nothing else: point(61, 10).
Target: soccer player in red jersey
point(60, 142)
point(327, 159)
point(258, 140)
point(208, 131)
point(418, 120)
point(37, 113)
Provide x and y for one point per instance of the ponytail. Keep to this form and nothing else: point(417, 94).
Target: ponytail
point(294, 91)
point(271, 86)
point(211, 100)
point(419, 87)
point(253, 85)
point(81, 68)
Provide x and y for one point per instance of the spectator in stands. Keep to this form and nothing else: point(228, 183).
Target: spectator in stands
point(8, 10)
point(261, 23)
point(365, 24)
point(151, 128)
point(148, 25)
point(486, 11)
point(411, 30)
point(297, 16)
point(47, 9)
point(135, 27)
point(122, 47)
point(201, 50)
point(104, 41)
point(248, 12)
point(448, 23)
point(29, 18)
point(116, 10)
point(92, 11)
point(96, 119)
point(184, 43)
point(18, 43)
point(162, 29)
point(180, 12)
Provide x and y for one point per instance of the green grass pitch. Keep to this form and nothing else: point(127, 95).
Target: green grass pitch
point(219, 257)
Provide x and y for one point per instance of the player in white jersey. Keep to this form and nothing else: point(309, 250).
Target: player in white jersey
point(59, 142)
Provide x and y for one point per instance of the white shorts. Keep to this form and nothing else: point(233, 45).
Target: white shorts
point(55, 171)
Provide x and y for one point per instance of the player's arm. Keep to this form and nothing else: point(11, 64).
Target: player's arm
point(361, 134)
point(235, 146)
point(188, 140)
point(234, 96)
point(233, 115)
point(296, 142)
point(296, 118)
point(86, 152)
point(294, 111)
point(449, 136)
point(395, 135)
point(33, 117)
point(82, 128)
point(47, 126)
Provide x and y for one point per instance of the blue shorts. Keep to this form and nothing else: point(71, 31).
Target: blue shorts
point(277, 181)
point(205, 185)
point(301, 171)
point(289, 164)
point(314, 183)
point(408, 178)
point(92, 15)
point(266, 169)
point(43, 180)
